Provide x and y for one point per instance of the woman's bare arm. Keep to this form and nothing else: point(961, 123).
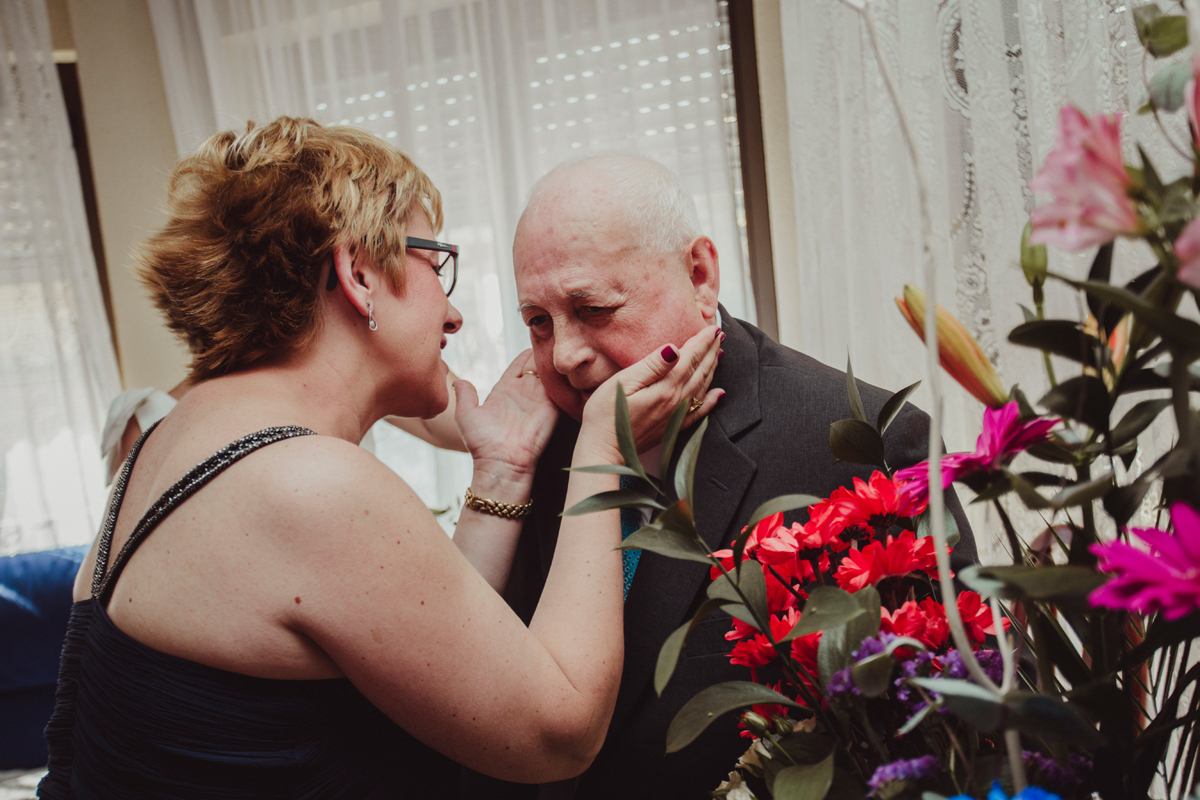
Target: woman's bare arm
point(421, 633)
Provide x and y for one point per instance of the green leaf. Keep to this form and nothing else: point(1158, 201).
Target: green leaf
point(838, 642)
point(1143, 16)
point(1124, 501)
point(1056, 584)
point(916, 719)
point(804, 782)
point(857, 442)
point(606, 501)
point(671, 544)
point(1049, 718)
point(671, 434)
point(986, 586)
point(1153, 183)
point(754, 585)
point(1033, 258)
point(997, 488)
point(904, 641)
point(1082, 493)
point(856, 405)
point(668, 655)
point(625, 434)
point(892, 407)
point(1179, 333)
point(1029, 495)
point(1084, 398)
point(699, 712)
point(777, 505)
point(724, 588)
point(873, 674)
point(605, 469)
point(1058, 336)
point(1166, 35)
point(925, 527)
point(685, 470)
point(973, 703)
point(826, 607)
point(1136, 420)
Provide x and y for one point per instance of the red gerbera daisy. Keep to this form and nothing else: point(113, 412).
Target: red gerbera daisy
point(902, 555)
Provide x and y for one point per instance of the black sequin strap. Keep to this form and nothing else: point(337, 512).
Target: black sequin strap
point(114, 506)
point(197, 478)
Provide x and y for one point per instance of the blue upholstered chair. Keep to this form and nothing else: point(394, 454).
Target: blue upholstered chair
point(35, 602)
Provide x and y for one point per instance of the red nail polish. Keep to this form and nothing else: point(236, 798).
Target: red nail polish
point(669, 355)
point(722, 336)
point(719, 354)
point(718, 334)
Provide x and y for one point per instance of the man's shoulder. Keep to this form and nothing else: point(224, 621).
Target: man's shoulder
point(786, 374)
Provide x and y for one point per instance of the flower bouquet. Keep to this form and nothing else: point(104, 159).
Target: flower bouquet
point(871, 669)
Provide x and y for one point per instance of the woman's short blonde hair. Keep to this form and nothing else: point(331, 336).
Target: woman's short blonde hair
point(252, 219)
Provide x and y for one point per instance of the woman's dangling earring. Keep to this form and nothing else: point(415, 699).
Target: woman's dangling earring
point(371, 323)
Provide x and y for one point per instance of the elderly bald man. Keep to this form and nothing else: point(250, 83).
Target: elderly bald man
point(610, 259)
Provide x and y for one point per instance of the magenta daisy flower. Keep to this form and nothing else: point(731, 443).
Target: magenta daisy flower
point(1004, 436)
point(1166, 578)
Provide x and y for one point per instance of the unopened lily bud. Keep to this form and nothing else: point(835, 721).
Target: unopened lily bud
point(1033, 258)
point(754, 723)
point(958, 352)
point(782, 725)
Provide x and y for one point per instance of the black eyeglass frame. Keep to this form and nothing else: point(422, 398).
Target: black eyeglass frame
point(418, 244)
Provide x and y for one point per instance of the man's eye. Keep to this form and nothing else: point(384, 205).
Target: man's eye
point(594, 310)
point(537, 320)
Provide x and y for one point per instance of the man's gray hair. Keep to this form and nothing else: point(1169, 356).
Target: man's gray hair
point(662, 215)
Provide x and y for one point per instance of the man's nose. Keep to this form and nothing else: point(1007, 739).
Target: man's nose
point(454, 319)
point(571, 350)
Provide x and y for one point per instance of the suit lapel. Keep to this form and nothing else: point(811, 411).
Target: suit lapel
point(664, 590)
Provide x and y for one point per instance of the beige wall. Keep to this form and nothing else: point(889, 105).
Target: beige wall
point(132, 148)
point(768, 45)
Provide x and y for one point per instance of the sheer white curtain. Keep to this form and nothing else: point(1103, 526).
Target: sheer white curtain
point(983, 81)
point(57, 366)
point(487, 97)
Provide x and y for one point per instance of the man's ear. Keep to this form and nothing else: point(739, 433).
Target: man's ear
point(705, 274)
point(355, 276)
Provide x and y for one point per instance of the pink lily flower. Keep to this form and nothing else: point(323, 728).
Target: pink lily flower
point(1187, 248)
point(1166, 579)
point(1086, 174)
point(1003, 437)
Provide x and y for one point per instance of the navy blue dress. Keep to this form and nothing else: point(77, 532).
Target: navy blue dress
point(133, 722)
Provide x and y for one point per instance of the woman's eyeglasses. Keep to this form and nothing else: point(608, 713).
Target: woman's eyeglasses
point(447, 269)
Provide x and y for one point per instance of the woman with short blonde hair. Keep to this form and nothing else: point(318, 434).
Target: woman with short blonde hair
point(287, 619)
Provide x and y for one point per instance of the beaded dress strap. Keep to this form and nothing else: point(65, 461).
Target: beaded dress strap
point(114, 506)
point(189, 484)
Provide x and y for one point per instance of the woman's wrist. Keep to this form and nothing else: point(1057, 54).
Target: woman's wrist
point(502, 483)
point(598, 445)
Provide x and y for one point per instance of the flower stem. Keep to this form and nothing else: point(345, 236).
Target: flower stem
point(937, 500)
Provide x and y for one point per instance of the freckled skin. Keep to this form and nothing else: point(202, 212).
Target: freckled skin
point(594, 302)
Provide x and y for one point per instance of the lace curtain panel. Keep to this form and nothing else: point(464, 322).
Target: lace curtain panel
point(486, 97)
point(983, 81)
point(57, 366)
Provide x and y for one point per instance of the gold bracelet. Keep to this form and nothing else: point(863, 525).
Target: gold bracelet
point(496, 508)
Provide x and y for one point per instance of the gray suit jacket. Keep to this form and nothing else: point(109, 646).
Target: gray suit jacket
point(768, 436)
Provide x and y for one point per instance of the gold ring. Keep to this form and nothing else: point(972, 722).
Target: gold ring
point(694, 406)
point(529, 372)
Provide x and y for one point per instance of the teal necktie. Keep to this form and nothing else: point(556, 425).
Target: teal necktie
point(631, 520)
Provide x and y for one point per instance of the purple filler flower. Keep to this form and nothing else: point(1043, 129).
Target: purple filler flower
point(904, 770)
point(1166, 579)
point(1056, 777)
point(1003, 436)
